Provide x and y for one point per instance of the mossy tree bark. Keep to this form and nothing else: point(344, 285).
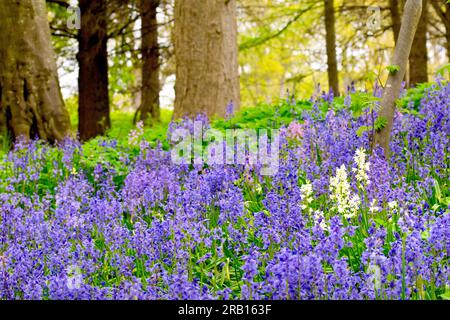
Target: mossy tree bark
point(149, 108)
point(206, 52)
point(93, 101)
point(31, 104)
point(411, 16)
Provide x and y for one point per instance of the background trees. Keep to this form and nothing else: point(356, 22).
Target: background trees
point(133, 55)
point(93, 110)
point(418, 65)
point(149, 107)
point(333, 80)
point(207, 77)
point(31, 104)
point(443, 11)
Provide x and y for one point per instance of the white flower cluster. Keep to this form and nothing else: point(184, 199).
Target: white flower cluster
point(346, 203)
point(393, 205)
point(362, 167)
point(306, 191)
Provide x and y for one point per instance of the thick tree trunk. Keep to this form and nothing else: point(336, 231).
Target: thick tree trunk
point(411, 17)
point(207, 76)
point(93, 108)
point(151, 86)
point(30, 98)
point(396, 18)
point(418, 60)
point(333, 78)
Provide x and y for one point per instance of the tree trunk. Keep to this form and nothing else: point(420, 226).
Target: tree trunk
point(31, 104)
point(447, 36)
point(418, 71)
point(411, 17)
point(151, 86)
point(207, 75)
point(395, 18)
point(444, 15)
point(93, 103)
point(333, 80)
point(447, 29)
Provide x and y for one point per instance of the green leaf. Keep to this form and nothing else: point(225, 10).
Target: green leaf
point(362, 129)
point(380, 123)
point(425, 235)
point(446, 201)
point(435, 207)
point(393, 69)
point(446, 296)
point(437, 190)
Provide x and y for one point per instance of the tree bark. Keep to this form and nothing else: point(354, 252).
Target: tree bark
point(411, 17)
point(151, 86)
point(333, 78)
point(444, 15)
point(31, 104)
point(447, 31)
point(93, 102)
point(206, 52)
point(395, 18)
point(418, 61)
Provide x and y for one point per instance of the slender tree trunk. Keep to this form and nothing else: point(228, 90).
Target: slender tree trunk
point(396, 18)
point(93, 108)
point(411, 17)
point(207, 76)
point(333, 77)
point(151, 86)
point(418, 61)
point(31, 103)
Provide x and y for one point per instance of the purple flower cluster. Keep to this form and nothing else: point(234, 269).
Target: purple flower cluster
point(167, 231)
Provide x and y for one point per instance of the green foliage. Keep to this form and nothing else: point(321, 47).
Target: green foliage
point(393, 69)
point(441, 195)
point(72, 107)
point(441, 71)
point(363, 129)
point(380, 123)
point(359, 103)
point(413, 97)
point(264, 116)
